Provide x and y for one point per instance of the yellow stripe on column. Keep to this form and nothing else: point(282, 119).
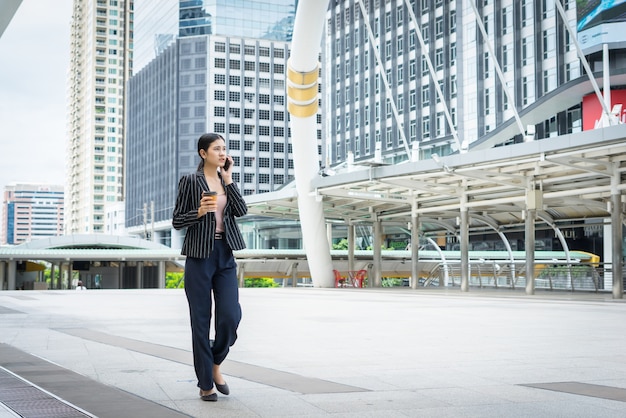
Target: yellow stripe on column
point(300, 78)
point(302, 92)
point(302, 111)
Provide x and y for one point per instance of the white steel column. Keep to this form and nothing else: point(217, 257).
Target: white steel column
point(415, 245)
point(302, 91)
point(351, 242)
point(529, 246)
point(12, 274)
point(617, 218)
point(464, 233)
point(376, 279)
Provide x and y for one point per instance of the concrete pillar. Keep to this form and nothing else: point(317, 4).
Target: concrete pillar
point(139, 275)
point(351, 239)
point(120, 274)
point(529, 247)
point(161, 284)
point(464, 244)
point(12, 274)
point(52, 272)
point(617, 244)
point(415, 245)
point(3, 283)
point(294, 274)
point(376, 281)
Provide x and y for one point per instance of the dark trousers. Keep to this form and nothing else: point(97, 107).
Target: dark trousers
point(216, 274)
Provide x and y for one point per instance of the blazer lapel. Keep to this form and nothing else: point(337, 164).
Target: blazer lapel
point(201, 181)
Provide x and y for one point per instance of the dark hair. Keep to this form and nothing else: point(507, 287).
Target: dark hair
point(204, 142)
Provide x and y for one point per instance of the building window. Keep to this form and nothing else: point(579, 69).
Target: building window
point(425, 33)
point(439, 27)
point(439, 59)
point(452, 21)
point(441, 124)
point(426, 126)
point(425, 96)
point(487, 101)
point(452, 53)
point(486, 65)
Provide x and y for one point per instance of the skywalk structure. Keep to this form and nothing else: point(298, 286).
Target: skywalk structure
point(403, 85)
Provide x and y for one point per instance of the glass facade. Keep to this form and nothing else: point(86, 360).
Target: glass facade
point(159, 22)
point(245, 18)
point(368, 75)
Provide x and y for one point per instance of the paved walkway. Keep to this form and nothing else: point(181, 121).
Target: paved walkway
point(318, 352)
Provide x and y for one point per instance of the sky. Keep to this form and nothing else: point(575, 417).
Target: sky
point(34, 59)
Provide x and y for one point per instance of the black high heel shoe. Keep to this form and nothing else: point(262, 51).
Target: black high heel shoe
point(224, 389)
point(211, 397)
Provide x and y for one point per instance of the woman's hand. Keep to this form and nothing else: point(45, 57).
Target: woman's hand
point(207, 204)
point(227, 174)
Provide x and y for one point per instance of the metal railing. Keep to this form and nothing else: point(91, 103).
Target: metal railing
point(586, 277)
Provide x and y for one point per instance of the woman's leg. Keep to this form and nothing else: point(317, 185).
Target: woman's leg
point(227, 308)
point(198, 274)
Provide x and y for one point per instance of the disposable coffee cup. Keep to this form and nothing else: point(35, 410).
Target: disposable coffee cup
point(212, 195)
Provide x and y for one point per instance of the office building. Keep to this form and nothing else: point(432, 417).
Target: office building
point(376, 46)
point(219, 82)
point(30, 212)
point(100, 65)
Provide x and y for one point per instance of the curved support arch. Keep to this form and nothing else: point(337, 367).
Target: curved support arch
point(548, 219)
point(442, 224)
point(492, 224)
point(444, 262)
point(303, 74)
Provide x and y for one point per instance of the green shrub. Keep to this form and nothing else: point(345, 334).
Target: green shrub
point(260, 282)
point(391, 281)
point(174, 280)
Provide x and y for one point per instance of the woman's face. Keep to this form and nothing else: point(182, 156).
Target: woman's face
point(215, 155)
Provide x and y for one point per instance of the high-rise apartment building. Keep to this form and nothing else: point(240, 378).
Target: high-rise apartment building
point(31, 211)
point(100, 66)
point(376, 67)
point(218, 82)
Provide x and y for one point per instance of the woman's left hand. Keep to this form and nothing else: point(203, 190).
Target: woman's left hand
point(227, 174)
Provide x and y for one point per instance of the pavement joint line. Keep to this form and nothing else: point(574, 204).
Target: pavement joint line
point(585, 389)
point(271, 377)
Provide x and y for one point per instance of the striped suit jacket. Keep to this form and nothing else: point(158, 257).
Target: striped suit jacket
point(200, 235)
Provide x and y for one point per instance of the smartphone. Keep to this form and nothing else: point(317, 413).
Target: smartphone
point(227, 164)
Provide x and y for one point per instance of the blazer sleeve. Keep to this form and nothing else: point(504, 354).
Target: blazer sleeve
point(186, 210)
point(237, 204)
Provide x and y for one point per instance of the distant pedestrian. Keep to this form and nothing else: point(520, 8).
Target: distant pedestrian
point(210, 269)
point(80, 286)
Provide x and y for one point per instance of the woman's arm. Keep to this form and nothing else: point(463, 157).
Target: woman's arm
point(237, 204)
point(186, 210)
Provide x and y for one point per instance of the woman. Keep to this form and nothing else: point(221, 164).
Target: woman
point(212, 235)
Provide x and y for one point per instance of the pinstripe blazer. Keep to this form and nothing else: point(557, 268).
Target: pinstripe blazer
point(200, 235)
